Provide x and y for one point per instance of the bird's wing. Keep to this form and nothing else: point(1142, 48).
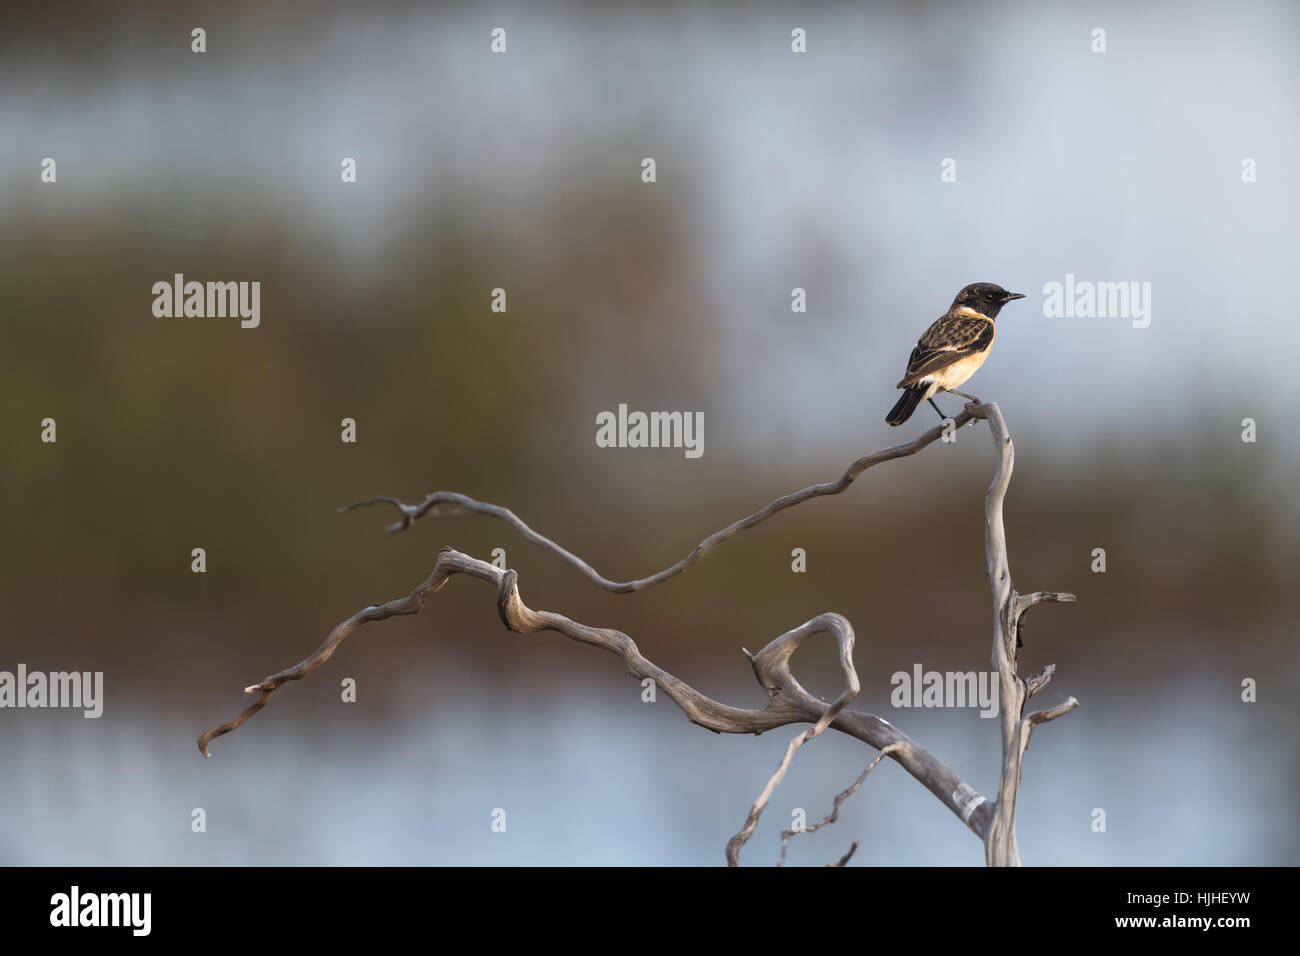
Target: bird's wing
point(949, 340)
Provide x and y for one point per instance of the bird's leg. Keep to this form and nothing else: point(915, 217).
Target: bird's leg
point(969, 398)
point(937, 409)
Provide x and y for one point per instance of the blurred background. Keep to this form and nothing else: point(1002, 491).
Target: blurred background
point(522, 170)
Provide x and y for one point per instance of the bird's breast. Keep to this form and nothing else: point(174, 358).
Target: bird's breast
point(959, 371)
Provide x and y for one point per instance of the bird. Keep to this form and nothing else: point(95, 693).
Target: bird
point(951, 349)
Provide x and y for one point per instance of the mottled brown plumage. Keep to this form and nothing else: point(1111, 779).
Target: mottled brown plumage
point(950, 339)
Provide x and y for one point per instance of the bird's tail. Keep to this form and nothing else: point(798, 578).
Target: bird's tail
point(907, 403)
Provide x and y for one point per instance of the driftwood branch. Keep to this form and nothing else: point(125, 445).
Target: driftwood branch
point(789, 702)
point(788, 835)
point(450, 502)
point(1009, 608)
point(756, 811)
point(844, 860)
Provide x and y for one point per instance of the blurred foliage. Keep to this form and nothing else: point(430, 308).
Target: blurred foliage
point(177, 433)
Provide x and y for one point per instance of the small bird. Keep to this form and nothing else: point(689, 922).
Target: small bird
point(952, 349)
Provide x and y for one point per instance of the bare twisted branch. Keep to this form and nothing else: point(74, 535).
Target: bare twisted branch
point(1009, 608)
point(450, 502)
point(789, 702)
point(851, 689)
point(844, 860)
point(834, 815)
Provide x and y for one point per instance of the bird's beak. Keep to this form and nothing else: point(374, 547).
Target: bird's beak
point(1013, 295)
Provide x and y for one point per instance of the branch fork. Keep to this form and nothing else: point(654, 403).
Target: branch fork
point(789, 702)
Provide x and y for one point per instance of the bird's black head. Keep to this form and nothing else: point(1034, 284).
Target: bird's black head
point(985, 298)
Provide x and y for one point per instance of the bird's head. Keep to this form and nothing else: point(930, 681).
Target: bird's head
point(985, 298)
